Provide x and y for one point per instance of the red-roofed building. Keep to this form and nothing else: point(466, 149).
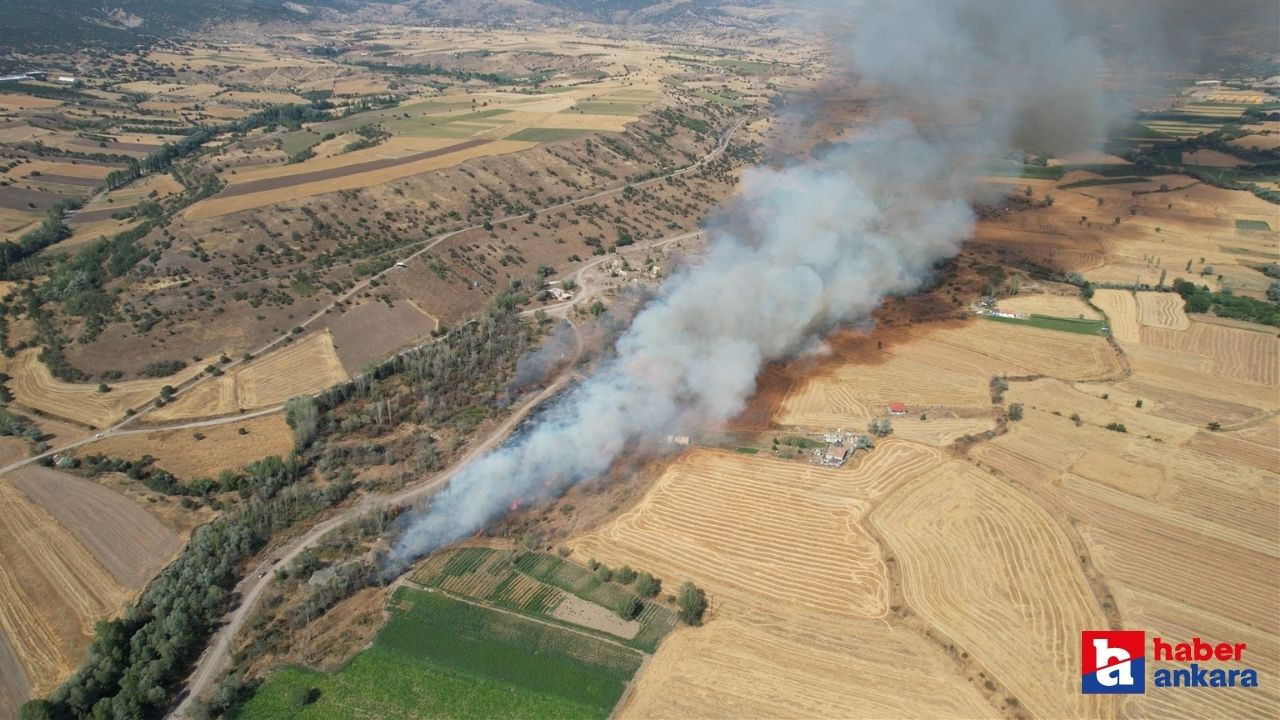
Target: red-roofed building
point(896, 408)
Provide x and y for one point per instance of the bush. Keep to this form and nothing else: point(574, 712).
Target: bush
point(628, 606)
point(692, 602)
point(1117, 427)
point(647, 585)
point(604, 574)
point(1015, 411)
point(625, 575)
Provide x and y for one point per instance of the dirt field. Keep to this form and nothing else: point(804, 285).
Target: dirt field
point(221, 447)
point(372, 330)
point(34, 387)
point(304, 366)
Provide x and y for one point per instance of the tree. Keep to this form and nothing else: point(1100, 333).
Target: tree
point(692, 602)
point(1188, 265)
point(36, 710)
point(1015, 411)
point(647, 585)
point(303, 416)
point(880, 427)
point(1215, 426)
point(625, 575)
point(628, 606)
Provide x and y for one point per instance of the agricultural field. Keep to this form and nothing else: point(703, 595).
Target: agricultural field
point(203, 451)
point(75, 551)
point(438, 656)
point(303, 367)
point(34, 386)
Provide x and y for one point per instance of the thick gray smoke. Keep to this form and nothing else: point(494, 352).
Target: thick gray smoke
point(808, 247)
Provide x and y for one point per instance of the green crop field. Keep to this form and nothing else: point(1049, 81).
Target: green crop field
point(297, 141)
point(1013, 169)
point(440, 657)
point(547, 134)
point(1253, 225)
point(535, 585)
point(1083, 327)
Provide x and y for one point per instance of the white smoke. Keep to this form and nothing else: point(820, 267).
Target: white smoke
point(808, 247)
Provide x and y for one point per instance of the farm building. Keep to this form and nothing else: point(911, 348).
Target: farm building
point(835, 455)
point(897, 408)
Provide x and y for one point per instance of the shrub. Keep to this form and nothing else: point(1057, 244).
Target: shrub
point(647, 585)
point(626, 575)
point(692, 602)
point(1117, 427)
point(1015, 411)
point(628, 606)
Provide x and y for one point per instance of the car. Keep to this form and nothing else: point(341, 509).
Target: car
point(100, 435)
point(262, 573)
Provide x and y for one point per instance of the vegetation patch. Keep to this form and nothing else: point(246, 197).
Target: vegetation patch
point(441, 657)
point(547, 134)
point(1253, 225)
point(1074, 325)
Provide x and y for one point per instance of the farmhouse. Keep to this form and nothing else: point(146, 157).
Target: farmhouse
point(897, 408)
point(835, 455)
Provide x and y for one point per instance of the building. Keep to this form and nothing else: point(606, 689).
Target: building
point(67, 80)
point(835, 455)
point(897, 408)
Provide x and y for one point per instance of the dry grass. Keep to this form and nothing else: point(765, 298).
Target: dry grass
point(300, 368)
point(221, 446)
point(33, 386)
point(1122, 314)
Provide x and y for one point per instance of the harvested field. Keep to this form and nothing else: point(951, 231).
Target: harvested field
point(303, 367)
point(126, 541)
point(344, 179)
point(14, 689)
point(1066, 306)
point(755, 668)
point(34, 387)
point(222, 446)
point(53, 590)
point(782, 515)
point(965, 541)
point(794, 582)
point(1162, 310)
point(1035, 350)
point(923, 373)
point(1238, 354)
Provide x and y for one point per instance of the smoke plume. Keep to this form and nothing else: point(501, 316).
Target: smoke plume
point(807, 247)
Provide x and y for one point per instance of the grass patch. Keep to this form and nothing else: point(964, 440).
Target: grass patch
point(1253, 226)
point(1012, 169)
point(547, 134)
point(1048, 322)
point(299, 141)
point(440, 657)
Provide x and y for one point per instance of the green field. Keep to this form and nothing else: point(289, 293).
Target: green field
point(1083, 327)
point(486, 575)
point(300, 140)
point(1253, 225)
point(1013, 169)
point(547, 134)
point(440, 657)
